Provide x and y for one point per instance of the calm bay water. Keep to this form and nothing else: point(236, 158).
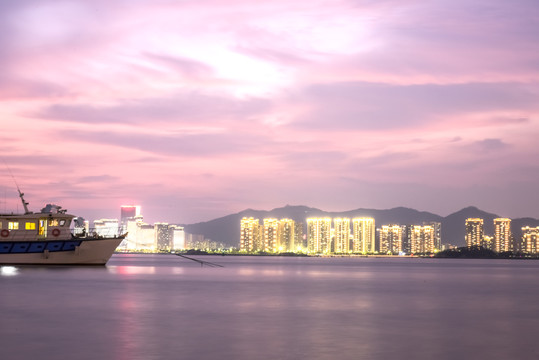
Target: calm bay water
point(166, 307)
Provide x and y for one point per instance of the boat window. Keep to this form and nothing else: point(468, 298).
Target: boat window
point(42, 227)
point(30, 226)
point(53, 222)
point(13, 225)
point(62, 222)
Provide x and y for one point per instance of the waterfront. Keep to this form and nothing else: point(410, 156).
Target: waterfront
point(166, 307)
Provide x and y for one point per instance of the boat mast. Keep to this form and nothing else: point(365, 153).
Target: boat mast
point(21, 195)
point(24, 203)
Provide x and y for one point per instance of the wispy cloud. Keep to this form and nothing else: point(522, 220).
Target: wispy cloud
point(255, 104)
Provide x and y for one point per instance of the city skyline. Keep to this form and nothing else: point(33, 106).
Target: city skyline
point(342, 235)
point(195, 110)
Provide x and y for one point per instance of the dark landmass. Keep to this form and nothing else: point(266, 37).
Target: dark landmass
point(226, 229)
point(478, 252)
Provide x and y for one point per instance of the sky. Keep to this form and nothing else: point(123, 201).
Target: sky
point(199, 109)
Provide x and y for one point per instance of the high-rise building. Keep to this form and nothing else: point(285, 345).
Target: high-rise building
point(270, 241)
point(132, 228)
point(437, 227)
point(341, 235)
point(128, 212)
point(502, 235)
point(178, 237)
point(474, 232)
point(163, 237)
point(391, 237)
point(364, 234)
point(300, 243)
point(286, 235)
point(406, 235)
point(421, 239)
point(319, 235)
point(145, 237)
point(250, 234)
point(530, 239)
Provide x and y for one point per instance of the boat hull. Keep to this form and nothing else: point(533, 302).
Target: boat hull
point(70, 252)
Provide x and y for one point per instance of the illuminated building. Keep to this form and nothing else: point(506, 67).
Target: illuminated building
point(106, 227)
point(319, 235)
point(286, 235)
point(421, 239)
point(530, 239)
point(145, 237)
point(391, 237)
point(341, 235)
point(502, 235)
point(163, 237)
point(474, 232)
point(300, 243)
point(406, 238)
point(178, 237)
point(128, 212)
point(363, 235)
point(270, 241)
point(437, 226)
point(488, 242)
point(132, 227)
point(250, 234)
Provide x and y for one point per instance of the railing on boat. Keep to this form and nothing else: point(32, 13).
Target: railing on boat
point(57, 234)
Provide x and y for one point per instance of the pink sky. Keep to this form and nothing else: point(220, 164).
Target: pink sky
point(198, 109)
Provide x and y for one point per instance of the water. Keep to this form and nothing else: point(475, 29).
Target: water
point(165, 307)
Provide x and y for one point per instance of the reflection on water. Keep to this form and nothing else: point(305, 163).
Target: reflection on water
point(8, 270)
point(165, 307)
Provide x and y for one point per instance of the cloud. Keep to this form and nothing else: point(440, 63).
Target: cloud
point(488, 145)
point(185, 66)
point(182, 145)
point(186, 107)
point(360, 105)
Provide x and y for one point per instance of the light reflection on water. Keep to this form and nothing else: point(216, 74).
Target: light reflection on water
point(164, 307)
point(8, 270)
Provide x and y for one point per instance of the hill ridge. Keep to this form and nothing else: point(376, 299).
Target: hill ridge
point(226, 229)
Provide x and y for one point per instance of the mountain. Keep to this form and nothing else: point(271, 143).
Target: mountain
point(453, 228)
point(227, 229)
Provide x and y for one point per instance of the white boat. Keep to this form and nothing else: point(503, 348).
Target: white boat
point(46, 238)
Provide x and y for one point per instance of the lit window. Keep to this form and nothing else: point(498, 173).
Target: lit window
point(30, 226)
point(53, 222)
point(13, 225)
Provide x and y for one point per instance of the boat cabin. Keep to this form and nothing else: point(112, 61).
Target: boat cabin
point(38, 226)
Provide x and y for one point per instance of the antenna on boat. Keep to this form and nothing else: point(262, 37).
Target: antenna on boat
point(21, 195)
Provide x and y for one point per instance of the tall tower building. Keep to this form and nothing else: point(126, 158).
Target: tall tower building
point(270, 241)
point(437, 227)
point(128, 212)
point(250, 234)
point(391, 239)
point(474, 232)
point(530, 239)
point(422, 239)
point(286, 235)
point(163, 236)
point(363, 235)
point(502, 234)
point(319, 235)
point(341, 237)
point(300, 242)
point(178, 237)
